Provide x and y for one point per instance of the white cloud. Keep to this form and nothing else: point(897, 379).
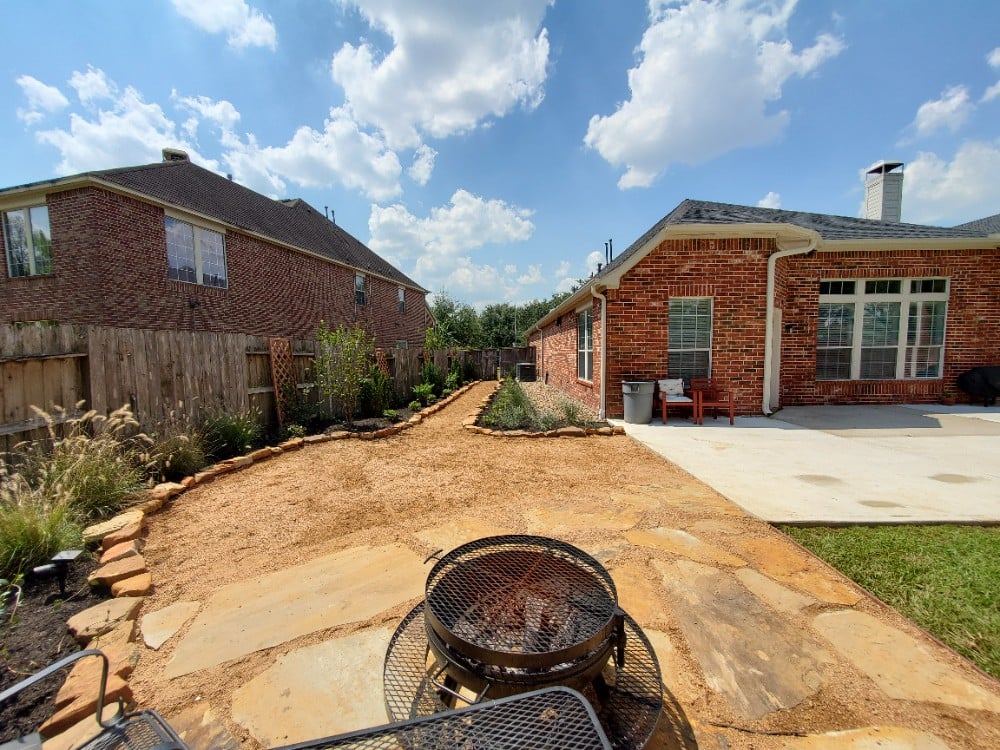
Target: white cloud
point(563, 268)
point(532, 276)
point(42, 99)
point(936, 191)
point(244, 26)
point(423, 165)
point(593, 259)
point(439, 248)
point(93, 86)
point(128, 131)
point(771, 200)
point(949, 112)
point(993, 58)
point(452, 65)
point(221, 112)
point(706, 73)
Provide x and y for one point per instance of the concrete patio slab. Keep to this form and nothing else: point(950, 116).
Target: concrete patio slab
point(348, 586)
point(846, 464)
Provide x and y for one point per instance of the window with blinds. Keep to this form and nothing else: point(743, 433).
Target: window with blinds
point(689, 346)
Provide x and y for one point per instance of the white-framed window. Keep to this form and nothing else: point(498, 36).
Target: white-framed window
point(28, 239)
point(401, 293)
point(195, 254)
point(359, 289)
point(585, 344)
point(881, 329)
point(689, 342)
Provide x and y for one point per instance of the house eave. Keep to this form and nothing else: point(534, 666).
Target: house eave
point(918, 243)
point(17, 197)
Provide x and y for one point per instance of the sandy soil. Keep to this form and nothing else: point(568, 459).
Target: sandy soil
point(341, 494)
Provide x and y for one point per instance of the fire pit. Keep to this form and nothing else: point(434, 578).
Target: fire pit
point(510, 614)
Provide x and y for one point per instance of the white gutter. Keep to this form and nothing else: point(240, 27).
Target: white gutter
point(604, 349)
point(772, 263)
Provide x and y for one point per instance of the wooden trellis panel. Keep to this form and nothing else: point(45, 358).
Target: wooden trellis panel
point(282, 374)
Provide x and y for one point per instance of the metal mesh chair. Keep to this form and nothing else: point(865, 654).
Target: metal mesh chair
point(138, 730)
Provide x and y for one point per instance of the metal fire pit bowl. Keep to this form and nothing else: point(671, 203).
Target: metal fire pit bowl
point(526, 602)
point(628, 709)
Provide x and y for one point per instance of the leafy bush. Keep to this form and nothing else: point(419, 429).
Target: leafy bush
point(430, 374)
point(342, 364)
point(469, 371)
point(230, 434)
point(424, 392)
point(377, 392)
point(391, 414)
point(571, 412)
point(300, 408)
point(293, 431)
point(414, 405)
point(453, 382)
point(32, 528)
point(511, 409)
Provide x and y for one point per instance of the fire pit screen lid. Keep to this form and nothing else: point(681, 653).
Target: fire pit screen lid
point(513, 598)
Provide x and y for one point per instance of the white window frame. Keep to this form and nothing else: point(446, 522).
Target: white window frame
point(585, 344)
point(360, 290)
point(401, 294)
point(29, 238)
point(907, 360)
point(200, 236)
point(673, 348)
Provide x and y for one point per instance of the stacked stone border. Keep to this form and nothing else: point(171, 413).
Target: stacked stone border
point(111, 625)
point(469, 423)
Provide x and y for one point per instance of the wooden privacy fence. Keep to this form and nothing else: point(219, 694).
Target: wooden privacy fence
point(172, 374)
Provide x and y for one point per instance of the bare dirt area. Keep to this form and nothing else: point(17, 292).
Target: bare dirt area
point(339, 495)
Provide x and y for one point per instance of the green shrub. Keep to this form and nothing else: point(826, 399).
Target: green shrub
point(414, 405)
point(293, 431)
point(511, 409)
point(446, 392)
point(377, 393)
point(341, 365)
point(230, 434)
point(424, 392)
point(469, 372)
point(32, 528)
point(430, 374)
point(299, 408)
point(570, 412)
point(391, 414)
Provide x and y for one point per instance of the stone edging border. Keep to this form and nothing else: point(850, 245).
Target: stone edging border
point(469, 423)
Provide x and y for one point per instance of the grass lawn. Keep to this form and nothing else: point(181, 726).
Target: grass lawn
point(944, 578)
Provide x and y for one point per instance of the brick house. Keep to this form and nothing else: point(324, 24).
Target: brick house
point(786, 308)
point(174, 246)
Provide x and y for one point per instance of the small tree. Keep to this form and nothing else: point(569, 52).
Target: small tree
point(341, 366)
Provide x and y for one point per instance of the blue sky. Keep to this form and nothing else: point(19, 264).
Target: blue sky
point(491, 149)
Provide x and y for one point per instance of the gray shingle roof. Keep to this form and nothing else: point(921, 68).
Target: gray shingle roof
point(828, 227)
point(293, 222)
point(989, 225)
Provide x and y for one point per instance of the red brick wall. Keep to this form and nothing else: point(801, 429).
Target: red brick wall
point(972, 335)
point(734, 273)
point(556, 357)
point(109, 263)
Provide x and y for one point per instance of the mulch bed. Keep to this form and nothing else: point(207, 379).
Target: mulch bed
point(371, 424)
point(36, 637)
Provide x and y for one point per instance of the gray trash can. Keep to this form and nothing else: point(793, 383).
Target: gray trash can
point(638, 398)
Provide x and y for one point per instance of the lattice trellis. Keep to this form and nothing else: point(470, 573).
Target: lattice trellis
point(382, 362)
point(282, 374)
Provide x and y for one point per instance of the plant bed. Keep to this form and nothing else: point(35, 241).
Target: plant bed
point(36, 636)
point(369, 424)
point(535, 408)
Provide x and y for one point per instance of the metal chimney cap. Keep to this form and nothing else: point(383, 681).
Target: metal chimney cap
point(881, 167)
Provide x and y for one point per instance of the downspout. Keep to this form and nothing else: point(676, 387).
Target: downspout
point(604, 350)
point(772, 264)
